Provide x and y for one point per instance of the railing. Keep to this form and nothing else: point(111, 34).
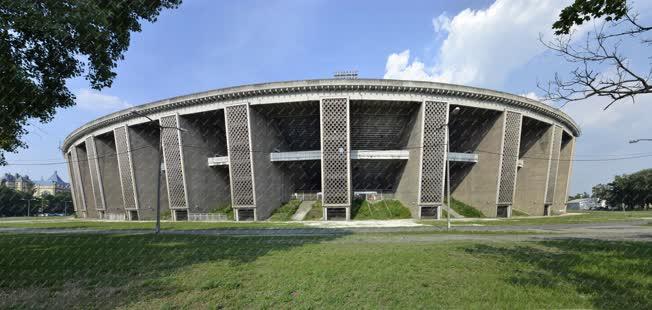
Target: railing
point(114, 216)
point(207, 217)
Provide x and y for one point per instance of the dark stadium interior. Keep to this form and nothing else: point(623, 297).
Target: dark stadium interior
point(381, 125)
point(467, 129)
point(296, 124)
point(205, 137)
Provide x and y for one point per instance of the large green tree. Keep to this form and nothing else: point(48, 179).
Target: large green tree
point(45, 42)
point(601, 64)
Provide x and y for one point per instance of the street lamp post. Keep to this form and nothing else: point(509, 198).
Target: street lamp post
point(455, 111)
point(157, 229)
point(638, 140)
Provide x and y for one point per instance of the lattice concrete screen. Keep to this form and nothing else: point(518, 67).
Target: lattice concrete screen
point(509, 160)
point(239, 150)
point(173, 160)
point(335, 152)
point(553, 166)
point(94, 169)
point(125, 167)
point(433, 153)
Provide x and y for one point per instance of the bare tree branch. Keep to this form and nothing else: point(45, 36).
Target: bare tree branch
point(600, 50)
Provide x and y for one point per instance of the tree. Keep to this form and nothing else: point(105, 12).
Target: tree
point(602, 68)
point(579, 196)
point(45, 42)
point(631, 190)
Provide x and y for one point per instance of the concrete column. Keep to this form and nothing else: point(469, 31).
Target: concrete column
point(268, 177)
point(563, 174)
point(553, 167)
point(434, 140)
point(477, 184)
point(94, 171)
point(126, 169)
point(407, 189)
point(535, 151)
point(173, 160)
point(109, 175)
point(238, 137)
point(204, 137)
point(335, 155)
point(508, 162)
point(85, 181)
point(144, 142)
point(78, 203)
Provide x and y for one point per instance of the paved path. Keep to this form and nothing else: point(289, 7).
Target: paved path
point(303, 210)
point(635, 230)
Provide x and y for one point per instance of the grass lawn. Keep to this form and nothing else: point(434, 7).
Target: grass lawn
point(78, 223)
point(285, 212)
point(186, 271)
point(380, 210)
point(316, 213)
point(586, 217)
point(465, 210)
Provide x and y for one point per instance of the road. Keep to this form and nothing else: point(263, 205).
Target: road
point(631, 231)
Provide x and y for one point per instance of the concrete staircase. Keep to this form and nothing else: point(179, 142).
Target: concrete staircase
point(304, 208)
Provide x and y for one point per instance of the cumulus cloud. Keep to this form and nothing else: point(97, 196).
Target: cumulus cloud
point(481, 46)
point(89, 99)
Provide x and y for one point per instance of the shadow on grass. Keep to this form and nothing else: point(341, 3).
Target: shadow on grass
point(111, 270)
point(613, 275)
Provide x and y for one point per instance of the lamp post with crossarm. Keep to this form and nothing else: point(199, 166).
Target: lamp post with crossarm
point(455, 111)
point(157, 229)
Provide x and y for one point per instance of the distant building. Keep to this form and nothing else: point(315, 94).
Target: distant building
point(582, 204)
point(17, 182)
point(54, 184)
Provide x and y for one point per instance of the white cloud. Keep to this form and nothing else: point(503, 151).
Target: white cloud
point(482, 46)
point(89, 99)
point(441, 23)
point(532, 95)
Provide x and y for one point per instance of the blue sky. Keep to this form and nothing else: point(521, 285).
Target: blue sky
point(212, 44)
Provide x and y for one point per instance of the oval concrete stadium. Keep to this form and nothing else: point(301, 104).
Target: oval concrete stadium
point(253, 147)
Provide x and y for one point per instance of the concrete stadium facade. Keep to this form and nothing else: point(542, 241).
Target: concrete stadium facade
point(255, 146)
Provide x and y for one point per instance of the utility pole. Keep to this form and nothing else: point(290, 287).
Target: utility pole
point(157, 229)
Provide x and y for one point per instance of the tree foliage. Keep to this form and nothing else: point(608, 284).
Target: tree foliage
point(43, 43)
point(602, 68)
point(632, 190)
point(585, 10)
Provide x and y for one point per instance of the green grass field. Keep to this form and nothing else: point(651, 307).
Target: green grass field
point(186, 271)
point(583, 218)
point(285, 212)
point(380, 210)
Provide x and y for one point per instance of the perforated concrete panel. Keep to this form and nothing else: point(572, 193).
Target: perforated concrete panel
point(125, 167)
point(94, 169)
point(433, 153)
point(335, 152)
point(239, 149)
point(553, 167)
point(509, 160)
point(173, 160)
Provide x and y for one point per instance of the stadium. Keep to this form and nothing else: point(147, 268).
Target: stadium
point(251, 148)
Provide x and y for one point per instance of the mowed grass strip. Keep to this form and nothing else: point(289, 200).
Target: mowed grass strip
point(144, 225)
point(147, 271)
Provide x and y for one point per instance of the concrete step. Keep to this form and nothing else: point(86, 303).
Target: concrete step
point(453, 213)
point(304, 208)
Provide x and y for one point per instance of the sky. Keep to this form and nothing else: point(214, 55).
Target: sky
point(205, 45)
